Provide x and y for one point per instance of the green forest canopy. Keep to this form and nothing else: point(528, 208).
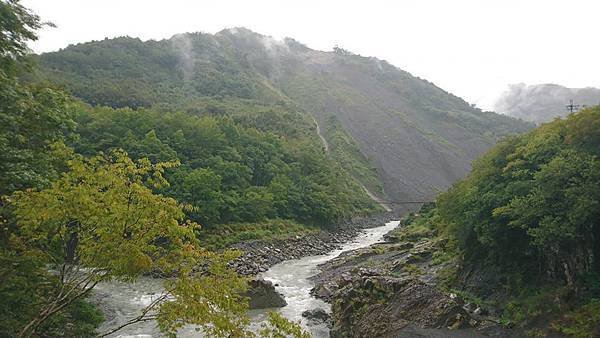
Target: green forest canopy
point(533, 201)
point(528, 215)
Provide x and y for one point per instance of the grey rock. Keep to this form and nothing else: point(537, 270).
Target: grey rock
point(317, 316)
point(263, 295)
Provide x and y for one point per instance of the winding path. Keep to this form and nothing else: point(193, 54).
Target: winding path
point(375, 198)
point(371, 195)
point(325, 144)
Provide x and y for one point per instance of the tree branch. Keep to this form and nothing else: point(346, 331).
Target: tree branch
point(142, 317)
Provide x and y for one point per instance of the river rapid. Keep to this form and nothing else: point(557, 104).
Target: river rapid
point(121, 301)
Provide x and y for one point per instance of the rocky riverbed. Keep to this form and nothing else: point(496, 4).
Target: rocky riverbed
point(289, 262)
point(259, 256)
point(391, 290)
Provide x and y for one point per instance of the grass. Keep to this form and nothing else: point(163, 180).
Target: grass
point(532, 305)
point(226, 235)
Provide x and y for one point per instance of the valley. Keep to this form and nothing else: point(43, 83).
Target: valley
point(124, 301)
point(235, 184)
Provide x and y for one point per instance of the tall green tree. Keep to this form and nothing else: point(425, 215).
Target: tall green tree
point(18, 26)
point(31, 117)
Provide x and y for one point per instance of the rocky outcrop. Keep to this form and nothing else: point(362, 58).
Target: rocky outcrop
point(381, 306)
point(317, 316)
point(391, 290)
point(262, 295)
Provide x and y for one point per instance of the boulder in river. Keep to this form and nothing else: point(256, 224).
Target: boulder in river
point(263, 295)
point(317, 316)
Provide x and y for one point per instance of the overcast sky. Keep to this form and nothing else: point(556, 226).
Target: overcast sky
point(473, 49)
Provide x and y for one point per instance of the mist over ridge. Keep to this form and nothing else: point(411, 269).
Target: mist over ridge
point(544, 102)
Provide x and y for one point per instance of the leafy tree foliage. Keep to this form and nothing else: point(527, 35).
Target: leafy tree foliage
point(126, 72)
point(229, 172)
point(72, 220)
point(524, 227)
point(279, 327)
point(101, 222)
point(17, 27)
point(31, 119)
point(98, 221)
point(533, 202)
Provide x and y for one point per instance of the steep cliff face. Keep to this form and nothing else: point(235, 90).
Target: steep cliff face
point(418, 138)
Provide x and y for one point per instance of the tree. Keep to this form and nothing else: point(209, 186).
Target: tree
point(201, 188)
point(153, 148)
point(31, 120)
point(530, 204)
point(101, 221)
point(279, 327)
point(17, 27)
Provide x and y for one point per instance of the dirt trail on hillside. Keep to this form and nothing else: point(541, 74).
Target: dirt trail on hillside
point(371, 195)
point(376, 199)
point(323, 140)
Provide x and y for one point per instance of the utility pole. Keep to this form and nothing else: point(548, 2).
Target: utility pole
point(572, 107)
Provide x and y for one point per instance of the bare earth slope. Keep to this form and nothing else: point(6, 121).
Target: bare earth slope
point(420, 138)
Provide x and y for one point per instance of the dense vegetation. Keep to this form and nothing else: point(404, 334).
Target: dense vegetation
point(532, 203)
point(120, 158)
point(525, 226)
point(92, 194)
point(247, 152)
point(32, 119)
point(229, 173)
point(126, 72)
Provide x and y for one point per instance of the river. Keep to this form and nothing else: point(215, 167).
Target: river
point(121, 301)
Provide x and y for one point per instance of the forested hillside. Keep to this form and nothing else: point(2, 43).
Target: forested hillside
point(403, 131)
point(231, 172)
point(124, 160)
point(524, 228)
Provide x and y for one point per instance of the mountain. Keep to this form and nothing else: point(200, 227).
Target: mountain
point(383, 124)
point(543, 102)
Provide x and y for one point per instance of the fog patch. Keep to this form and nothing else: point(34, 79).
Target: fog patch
point(273, 46)
point(184, 47)
point(543, 102)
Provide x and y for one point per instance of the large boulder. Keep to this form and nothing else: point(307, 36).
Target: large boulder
point(263, 295)
point(316, 316)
